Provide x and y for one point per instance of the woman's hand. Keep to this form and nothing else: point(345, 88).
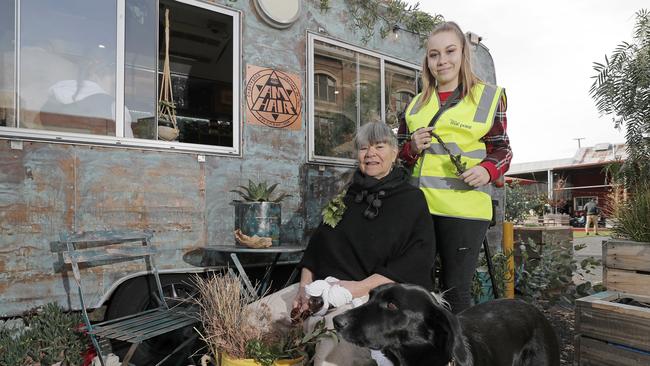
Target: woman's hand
point(421, 139)
point(301, 301)
point(476, 176)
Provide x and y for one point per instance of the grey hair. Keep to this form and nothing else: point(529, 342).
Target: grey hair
point(373, 133)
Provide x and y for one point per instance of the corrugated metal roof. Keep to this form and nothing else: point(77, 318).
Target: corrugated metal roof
point(593, 155)
point(538, 166)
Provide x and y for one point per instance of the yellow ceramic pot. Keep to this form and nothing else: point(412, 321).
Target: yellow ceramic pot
point(227, 361)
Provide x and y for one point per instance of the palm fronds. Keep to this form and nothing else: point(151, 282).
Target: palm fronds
point(621, 87)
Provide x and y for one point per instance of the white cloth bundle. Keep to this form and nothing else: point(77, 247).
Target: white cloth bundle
point(333, 295)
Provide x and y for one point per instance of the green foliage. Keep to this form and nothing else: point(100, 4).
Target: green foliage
point(632, 217)
point(613, 172)
point(366, 14)
point(13, 351)
point(333, 211)
point(259, 192)
point(549, 276)
point(290, 346)
point(50, 337)
point(520, 202)
point(501, 274)
point(324, 5)
point(621, 88)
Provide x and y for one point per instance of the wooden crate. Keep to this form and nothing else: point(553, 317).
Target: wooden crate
point(610, 333)
point(626, 266)
point(592, 352)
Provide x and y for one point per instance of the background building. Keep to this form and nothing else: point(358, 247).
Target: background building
point(572, 182)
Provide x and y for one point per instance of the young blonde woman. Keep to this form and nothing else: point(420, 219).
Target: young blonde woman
point(456, 117)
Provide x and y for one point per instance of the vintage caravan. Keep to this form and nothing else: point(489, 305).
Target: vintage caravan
point(260, 92)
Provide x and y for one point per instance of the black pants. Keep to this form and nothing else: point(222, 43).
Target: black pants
point(458, 242)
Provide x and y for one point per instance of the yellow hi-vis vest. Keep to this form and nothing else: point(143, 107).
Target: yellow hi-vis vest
point(461, 128)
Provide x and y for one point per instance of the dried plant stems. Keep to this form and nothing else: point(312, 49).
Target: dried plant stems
point(227, 320)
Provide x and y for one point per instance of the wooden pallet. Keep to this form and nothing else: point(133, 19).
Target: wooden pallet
point(626, 266)
point(611, 333)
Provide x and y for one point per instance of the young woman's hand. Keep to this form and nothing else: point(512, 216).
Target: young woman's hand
point(421, 139)
point(476, 176)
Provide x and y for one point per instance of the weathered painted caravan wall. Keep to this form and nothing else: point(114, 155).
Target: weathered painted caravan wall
point(47, 188)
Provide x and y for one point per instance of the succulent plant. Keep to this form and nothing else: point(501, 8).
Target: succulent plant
point(259, 192)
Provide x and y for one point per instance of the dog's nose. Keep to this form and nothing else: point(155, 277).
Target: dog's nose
point(340, 322)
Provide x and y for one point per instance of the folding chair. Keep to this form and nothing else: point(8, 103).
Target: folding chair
point(97, 248)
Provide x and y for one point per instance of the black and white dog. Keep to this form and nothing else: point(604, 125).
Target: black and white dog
point(411, 328)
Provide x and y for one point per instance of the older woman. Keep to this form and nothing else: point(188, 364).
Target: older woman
point(385, 235)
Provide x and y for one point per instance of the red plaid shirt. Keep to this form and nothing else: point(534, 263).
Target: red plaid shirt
point(497, 143)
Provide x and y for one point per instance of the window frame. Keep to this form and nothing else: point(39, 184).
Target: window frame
point(587, 198)
point(328, 76)
point(312, 157)
point(119, 140)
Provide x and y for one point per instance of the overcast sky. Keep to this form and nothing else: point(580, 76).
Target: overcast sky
point(543, 53)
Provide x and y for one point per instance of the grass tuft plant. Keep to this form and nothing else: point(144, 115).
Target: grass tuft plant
point(233, 328)
point(632, 216)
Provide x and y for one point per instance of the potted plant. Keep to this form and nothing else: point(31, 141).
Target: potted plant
point(258, 216)
point(167, 127)
point(627, 254)
point(238, 335)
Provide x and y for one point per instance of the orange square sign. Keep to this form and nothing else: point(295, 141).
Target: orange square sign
point(273, 98)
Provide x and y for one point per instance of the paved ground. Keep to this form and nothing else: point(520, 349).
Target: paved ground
point(593, 249)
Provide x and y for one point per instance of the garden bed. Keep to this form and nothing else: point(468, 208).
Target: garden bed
point(553, 235)
point(613, 329)
point(626, 266)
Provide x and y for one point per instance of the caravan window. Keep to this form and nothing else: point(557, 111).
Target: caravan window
point(92, 71)
point(348, 87)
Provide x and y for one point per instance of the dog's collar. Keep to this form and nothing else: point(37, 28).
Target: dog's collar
point(452, 362)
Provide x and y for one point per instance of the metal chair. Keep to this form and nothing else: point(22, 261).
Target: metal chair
point(97, 248)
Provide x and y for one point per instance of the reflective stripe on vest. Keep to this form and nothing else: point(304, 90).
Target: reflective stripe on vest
point(461, 128)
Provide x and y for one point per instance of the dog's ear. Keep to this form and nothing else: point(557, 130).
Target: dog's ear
point(446, 335)
point(456, 341)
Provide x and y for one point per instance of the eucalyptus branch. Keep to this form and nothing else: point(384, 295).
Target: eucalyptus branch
point(455, 159)
point(367, 14)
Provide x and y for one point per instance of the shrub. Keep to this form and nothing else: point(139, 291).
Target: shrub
point(50, 336)
point(550, 277)
point(520, 202)
point(501, 274)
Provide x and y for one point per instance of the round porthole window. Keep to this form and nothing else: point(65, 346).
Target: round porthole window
point(278, 13)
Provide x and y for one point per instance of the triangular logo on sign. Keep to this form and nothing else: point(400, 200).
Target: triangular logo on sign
point(274, 98)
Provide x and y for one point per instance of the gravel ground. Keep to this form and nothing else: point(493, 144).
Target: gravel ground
point(562, 317)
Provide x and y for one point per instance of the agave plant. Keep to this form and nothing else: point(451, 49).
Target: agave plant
point(259, 192)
